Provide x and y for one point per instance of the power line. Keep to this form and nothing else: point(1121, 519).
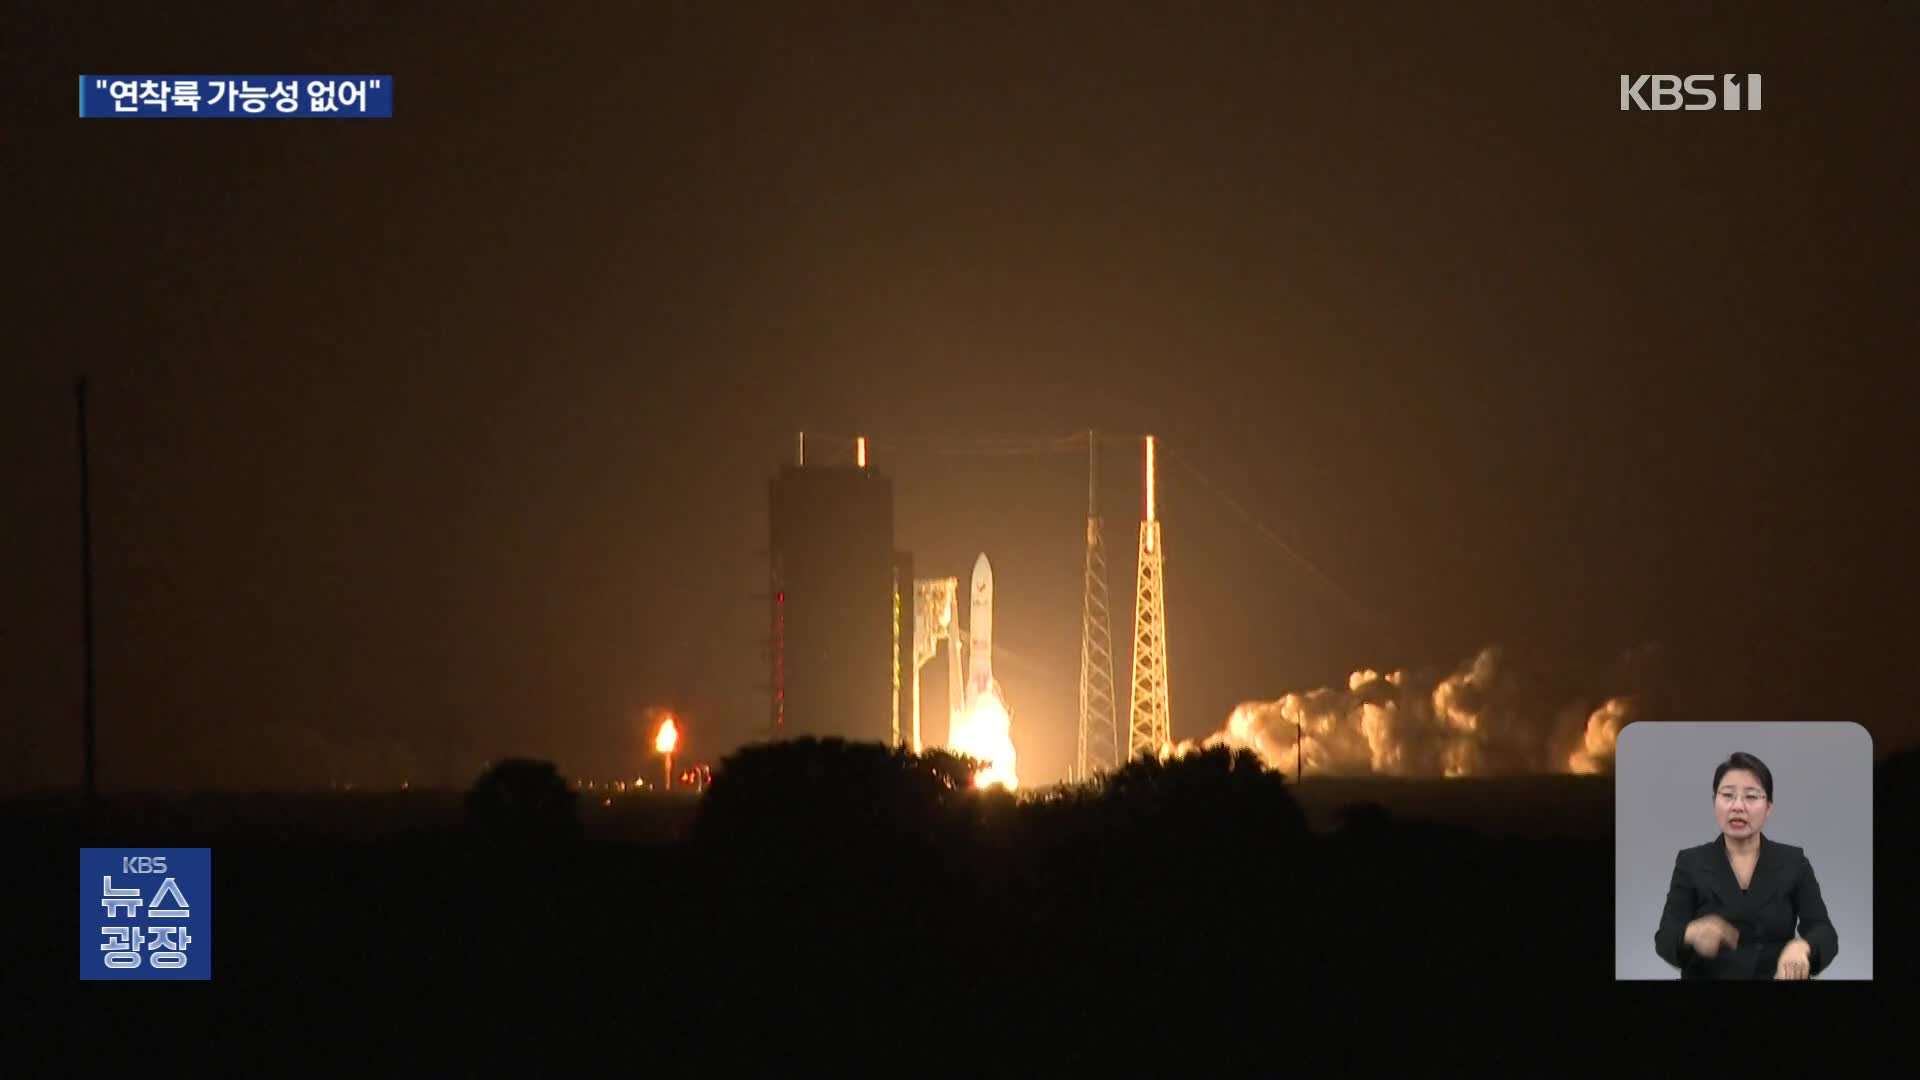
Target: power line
point(835, 445)
point(1374, 620)
point(1029, 446)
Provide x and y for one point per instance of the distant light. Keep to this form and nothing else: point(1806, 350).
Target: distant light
point(860, 451)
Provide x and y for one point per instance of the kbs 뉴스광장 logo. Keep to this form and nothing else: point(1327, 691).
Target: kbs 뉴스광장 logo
point(146, 913)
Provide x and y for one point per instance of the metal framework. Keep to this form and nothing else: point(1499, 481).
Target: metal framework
point(894, 656)
point(1149, 721)
point(1099, 740)
point(934, 622)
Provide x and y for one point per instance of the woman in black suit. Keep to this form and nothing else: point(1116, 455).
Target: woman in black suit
point(1743, 906)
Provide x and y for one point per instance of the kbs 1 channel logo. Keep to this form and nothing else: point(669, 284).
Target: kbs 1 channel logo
point(146, 913)
point(1692, 93)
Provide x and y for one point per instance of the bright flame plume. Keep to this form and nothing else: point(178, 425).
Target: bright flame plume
point(668, 738)
point(985, 732)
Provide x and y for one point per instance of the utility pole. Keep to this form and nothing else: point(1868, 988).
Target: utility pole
point(86, 589)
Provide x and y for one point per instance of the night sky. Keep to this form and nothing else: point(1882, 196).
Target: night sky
point(440, 438)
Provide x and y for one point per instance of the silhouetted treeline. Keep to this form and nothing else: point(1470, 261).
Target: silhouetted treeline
point(838, 908)
point(522, 802)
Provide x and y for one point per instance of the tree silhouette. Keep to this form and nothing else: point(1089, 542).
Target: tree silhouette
point(522, 801)
point(831, 793)
point(1213, 793)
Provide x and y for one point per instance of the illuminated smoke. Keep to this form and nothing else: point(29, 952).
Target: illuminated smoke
point(1479, 720)
point(1595, 754)
point(985, 732)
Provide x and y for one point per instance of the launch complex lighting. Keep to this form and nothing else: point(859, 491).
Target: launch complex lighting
point(1148, 723)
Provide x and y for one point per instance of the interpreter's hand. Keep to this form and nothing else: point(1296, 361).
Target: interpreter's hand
point(1708, 933)
point(1796, 961)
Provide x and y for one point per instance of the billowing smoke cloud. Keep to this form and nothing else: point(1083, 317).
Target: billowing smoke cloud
point(1595, 754)
point(1482, 719)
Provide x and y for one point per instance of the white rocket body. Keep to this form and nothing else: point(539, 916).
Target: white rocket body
point(980, 632)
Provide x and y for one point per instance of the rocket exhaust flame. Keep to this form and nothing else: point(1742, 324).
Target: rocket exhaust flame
point(985, 732)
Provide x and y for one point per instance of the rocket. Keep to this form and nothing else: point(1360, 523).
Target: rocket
point(980, 632)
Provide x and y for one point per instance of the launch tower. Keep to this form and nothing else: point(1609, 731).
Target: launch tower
point(1098, 747)
point(1149, 723)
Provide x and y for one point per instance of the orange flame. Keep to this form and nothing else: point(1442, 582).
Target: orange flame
point(984, 732)
point(668, 738)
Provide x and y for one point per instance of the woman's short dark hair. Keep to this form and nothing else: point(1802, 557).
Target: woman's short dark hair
point(1754, 765)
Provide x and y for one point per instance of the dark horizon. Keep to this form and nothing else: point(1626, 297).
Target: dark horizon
point(452, 432)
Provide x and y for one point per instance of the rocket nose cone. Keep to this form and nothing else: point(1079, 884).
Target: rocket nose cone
point(982, 572)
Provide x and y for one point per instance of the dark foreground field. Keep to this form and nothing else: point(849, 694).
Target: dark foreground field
point(829, 910)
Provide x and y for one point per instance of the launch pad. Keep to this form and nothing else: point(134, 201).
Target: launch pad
point(835, 574)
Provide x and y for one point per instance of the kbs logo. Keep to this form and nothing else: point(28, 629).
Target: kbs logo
point(1694, 93)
